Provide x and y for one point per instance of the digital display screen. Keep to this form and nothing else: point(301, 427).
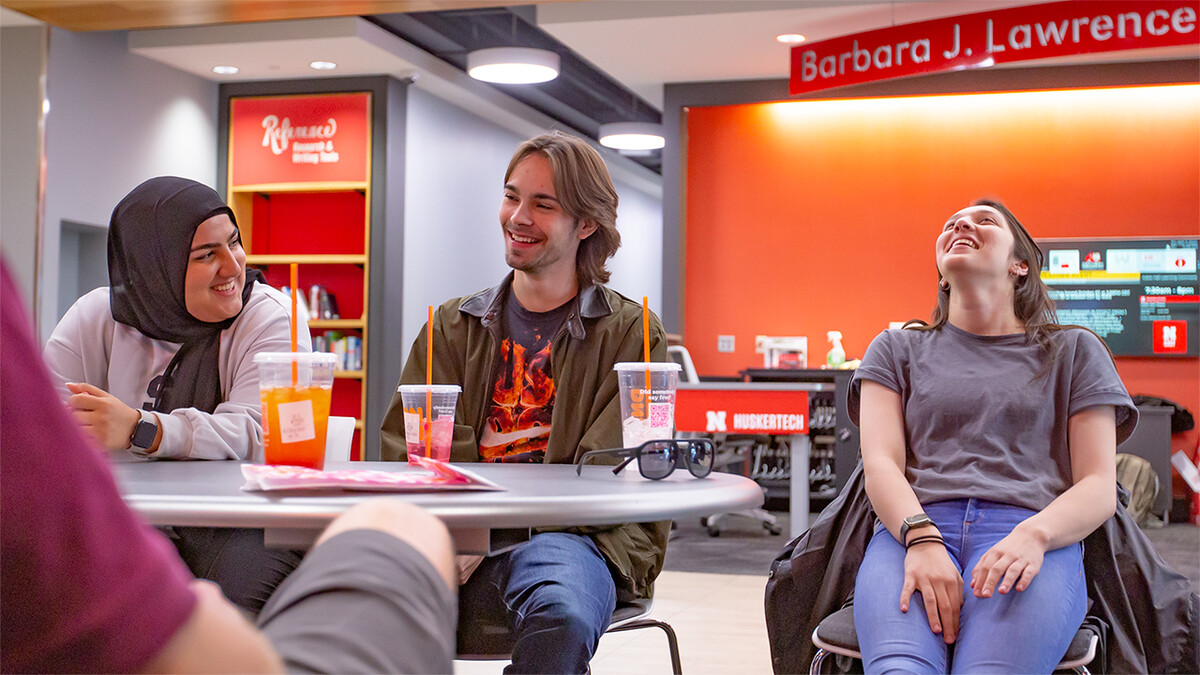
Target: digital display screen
point(1140, 295)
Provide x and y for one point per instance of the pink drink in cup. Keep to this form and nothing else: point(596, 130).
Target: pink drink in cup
point(434, 428)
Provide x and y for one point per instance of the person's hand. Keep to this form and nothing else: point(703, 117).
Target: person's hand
point(1012, 563)
point(102, 415)
point(929, 569)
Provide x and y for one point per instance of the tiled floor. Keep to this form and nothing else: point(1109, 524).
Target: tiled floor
point(717, 617)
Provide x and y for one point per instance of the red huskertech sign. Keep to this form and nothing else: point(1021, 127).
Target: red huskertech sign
point(322, 138)
point(741, 411)
point(988, 38)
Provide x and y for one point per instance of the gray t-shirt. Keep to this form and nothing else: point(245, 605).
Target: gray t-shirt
point(978, 422)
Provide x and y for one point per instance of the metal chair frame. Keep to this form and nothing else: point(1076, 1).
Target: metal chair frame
point(626, 617)
point(824, 649)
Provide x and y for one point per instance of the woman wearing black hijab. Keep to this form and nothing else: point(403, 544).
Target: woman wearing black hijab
point(160, 364)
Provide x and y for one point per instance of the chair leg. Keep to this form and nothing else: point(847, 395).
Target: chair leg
point(672, 641)
point(818, 660)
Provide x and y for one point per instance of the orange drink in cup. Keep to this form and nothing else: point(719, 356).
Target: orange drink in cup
point(296, 388)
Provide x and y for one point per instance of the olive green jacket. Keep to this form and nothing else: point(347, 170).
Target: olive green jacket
point(603, 328)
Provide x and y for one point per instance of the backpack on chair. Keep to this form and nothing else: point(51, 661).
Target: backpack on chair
point(1136, 474)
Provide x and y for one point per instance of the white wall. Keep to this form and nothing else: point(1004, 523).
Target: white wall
point(454, 166)
point(22, 53)
point(115, 120)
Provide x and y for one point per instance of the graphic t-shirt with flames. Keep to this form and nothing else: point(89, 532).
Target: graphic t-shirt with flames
point(518, 421)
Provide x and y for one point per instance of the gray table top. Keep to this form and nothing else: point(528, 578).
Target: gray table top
point(209, 494)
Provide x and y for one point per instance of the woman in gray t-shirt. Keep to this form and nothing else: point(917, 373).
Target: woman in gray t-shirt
point(988, 442)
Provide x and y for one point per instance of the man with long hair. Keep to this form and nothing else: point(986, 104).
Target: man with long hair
point(534, 356)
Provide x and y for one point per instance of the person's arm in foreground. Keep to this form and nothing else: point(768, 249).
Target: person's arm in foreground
point(215, 639)
point(1016, 559)
point(927, 566)
point(87, 586)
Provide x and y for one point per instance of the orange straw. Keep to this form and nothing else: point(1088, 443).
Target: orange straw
point(295, 373)
point(429, 381)
point(646, 336)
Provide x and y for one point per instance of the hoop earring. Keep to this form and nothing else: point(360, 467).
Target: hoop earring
point(944, 285)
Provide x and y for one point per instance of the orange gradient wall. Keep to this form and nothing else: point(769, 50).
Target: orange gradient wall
point(805, 217)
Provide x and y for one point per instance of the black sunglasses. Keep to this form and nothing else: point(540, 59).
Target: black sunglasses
point(657, 459)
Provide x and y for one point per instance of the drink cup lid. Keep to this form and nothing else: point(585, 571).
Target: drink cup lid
point(658, 366)
point(435, 388)
point(299, 357)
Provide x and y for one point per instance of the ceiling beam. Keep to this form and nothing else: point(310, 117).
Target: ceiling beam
point(94, 15)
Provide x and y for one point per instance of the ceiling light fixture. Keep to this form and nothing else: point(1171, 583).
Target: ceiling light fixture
point(513, 65)
point(225, 70)
point(790, 38)
point(322, 65)
point(632, 136)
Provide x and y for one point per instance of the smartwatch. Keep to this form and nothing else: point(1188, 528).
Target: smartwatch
point(144, 433)
point(912, 523)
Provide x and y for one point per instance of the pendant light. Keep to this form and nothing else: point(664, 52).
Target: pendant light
point(513, 65)
point(632, 136)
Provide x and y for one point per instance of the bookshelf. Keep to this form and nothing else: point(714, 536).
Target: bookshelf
point(316, 214)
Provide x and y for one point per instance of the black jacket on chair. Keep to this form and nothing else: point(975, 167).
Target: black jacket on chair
point(1147, 613)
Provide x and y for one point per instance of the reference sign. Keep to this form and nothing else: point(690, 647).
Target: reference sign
point(299, 139)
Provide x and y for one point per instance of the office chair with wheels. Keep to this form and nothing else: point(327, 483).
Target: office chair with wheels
point(731, 450)
point(492, 643)
point(836, 635)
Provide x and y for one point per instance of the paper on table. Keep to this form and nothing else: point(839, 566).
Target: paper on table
point(431, 476)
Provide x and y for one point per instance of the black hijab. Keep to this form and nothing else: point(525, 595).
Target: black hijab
point(149, 243)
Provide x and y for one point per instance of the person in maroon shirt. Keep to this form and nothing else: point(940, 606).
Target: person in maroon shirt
point(86, 586)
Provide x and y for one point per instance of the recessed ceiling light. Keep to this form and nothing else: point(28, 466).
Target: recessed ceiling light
point(322, 65)
point(791, 38)
point(513, 65)
point(225, 70)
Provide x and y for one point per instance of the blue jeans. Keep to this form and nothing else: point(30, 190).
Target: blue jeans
point(555, 595)
point(1020, 632)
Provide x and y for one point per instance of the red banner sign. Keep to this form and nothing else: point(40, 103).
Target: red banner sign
point(741, 411)
point(299, 139)
point(988, 38)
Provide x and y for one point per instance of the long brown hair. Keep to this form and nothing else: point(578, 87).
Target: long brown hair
point(1031, 301)
point(586, 193)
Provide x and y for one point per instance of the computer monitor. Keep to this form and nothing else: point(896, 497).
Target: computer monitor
point(1140, 295)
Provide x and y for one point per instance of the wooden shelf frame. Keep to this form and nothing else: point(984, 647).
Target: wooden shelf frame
point(337, 324)
point(241, 200)
point(306, 259)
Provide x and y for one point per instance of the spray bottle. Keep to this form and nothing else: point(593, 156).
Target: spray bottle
point(836, 356)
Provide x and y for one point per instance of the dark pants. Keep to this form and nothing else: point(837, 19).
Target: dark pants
point(236, 560)
point(553, 596)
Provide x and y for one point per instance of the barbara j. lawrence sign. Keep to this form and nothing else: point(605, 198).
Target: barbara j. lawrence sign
point(988, 38)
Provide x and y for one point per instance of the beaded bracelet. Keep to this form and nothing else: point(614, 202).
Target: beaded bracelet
point(921, 540)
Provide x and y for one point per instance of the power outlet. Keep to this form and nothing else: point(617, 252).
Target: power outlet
point(725, 343)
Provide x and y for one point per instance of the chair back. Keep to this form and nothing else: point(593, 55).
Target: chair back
point(338, 437)
point(679, 354)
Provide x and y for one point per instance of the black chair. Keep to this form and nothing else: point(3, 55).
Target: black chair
point(492, 643)
point(836, 635)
